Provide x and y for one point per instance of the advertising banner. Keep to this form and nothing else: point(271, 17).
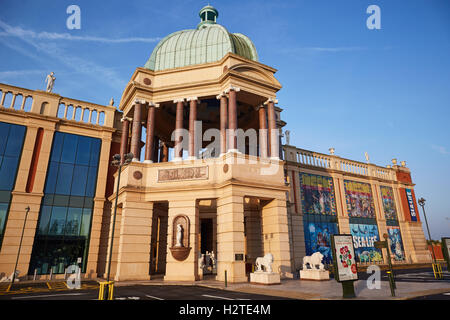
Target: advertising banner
point(395, 242)
point(364, 237)
point(317, 238)
point(387, 196)
point(344, 258)
point(412, 209)
point(358, 196)
point(317, 193)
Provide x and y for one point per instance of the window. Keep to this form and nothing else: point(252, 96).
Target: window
point(11, 144)
point(65, 218)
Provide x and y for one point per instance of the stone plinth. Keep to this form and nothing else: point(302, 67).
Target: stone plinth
point(314, 274)
point(265, 277)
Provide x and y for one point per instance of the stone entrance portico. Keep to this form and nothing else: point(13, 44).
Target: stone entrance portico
point(231, 186)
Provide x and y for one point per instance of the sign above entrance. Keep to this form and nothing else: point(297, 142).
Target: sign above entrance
point(192, 173)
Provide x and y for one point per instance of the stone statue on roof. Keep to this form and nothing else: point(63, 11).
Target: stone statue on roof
point(50, 80)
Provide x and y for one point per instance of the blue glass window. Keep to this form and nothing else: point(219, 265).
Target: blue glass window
point(11, 144)
point(65, 218)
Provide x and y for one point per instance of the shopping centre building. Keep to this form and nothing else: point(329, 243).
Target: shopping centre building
point(210, 179)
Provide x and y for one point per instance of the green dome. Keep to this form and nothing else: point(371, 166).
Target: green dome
point(208, 43)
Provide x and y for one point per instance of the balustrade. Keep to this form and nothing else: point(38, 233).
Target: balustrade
point(53, 105)
point(315, 159)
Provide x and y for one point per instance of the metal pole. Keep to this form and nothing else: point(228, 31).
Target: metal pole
point(20, 244)
point(114, 224)
point(429, 235)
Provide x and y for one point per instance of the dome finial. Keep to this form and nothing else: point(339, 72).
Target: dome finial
point(208, 15)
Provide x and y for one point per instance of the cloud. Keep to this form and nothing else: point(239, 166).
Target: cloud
point(440, 149)
point(51, 49)
point(19, 32)
point(20, 73)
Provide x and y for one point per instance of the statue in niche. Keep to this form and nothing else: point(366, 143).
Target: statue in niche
point(179, 236)
point(50, 80)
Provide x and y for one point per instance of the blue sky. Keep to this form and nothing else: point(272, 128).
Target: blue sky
point(384, 91)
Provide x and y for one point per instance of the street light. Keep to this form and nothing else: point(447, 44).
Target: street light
point(421, 202)
point(20, 244)
point(117, 162)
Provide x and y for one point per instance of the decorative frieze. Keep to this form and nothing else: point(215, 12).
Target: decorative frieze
point(179, 174)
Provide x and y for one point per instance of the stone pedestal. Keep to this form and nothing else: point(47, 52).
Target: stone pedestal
point(314, 274)
point(265, 277)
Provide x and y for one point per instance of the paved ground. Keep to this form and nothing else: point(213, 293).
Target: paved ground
point(144, 292)
point(411, 284)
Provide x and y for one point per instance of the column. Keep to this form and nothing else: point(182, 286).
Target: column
point(276, 236)
point(124, 138)
point(164, 153)
point(186, 270)
point(262, 132)
point(150, 134)
point(178, 150)
point(230, 238)
point(136, 131)
point(192, 133)
point(232, 119)
point(273, 134)
point(133, 255)
point(223, 122)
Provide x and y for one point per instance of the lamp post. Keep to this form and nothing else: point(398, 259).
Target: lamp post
point(27, 209)
point(117, 162)
point(421, 202)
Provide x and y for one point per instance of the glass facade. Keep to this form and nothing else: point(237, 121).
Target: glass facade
point(62, 236)
point(11, 144)
point(319, 214)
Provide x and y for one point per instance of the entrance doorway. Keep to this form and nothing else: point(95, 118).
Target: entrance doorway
point(206, 235)
point(207, 245)
point(158, 248)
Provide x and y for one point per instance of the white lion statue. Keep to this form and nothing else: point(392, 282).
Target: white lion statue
point(313, 260)
point(265, 262)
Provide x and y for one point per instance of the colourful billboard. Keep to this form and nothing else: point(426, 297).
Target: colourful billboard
point(387, 196)
point(317, 194)
point(395, 242)
point(317, 238)
point(358, 196)
point(364, 237)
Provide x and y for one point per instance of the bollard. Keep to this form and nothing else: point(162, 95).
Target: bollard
point(391, 282)
point(225, 278)
point(106, 290)
point(35, 273)
point(437, 271)
point(51, 273)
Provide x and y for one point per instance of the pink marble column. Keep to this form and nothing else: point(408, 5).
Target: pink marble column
point(149, 141)
point(262, 132)
point(274, 145)
point(223, 122)
point(232, 119)
point(124, 138)
point(192, 133)
point(136, 131)
point(178, 150)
